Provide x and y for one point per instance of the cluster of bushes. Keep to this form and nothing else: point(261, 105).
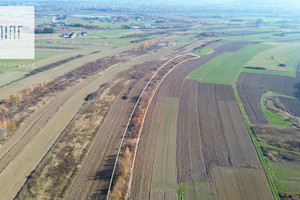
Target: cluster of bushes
point(6, 126)
point(144, 46)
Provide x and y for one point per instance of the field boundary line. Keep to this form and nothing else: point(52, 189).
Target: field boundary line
point(133, 111)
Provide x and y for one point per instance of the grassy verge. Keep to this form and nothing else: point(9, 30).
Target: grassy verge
point(258, 148)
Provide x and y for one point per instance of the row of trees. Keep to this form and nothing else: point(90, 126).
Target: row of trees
point(44, 30)
point(120, 186)
point(18, 97)
point(7, 124)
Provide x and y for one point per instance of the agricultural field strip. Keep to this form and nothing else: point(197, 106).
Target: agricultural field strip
point(65, 68)
point(190, 160)
point(95, 171)
point(140, 131)
point(222, 133)
point(25, 66)
point(138, 101)
point(14, 176)
point(165, 174)
point(108, 153)
point(230, 112)
point(202, 190)
point(141, 182)
point(33, 123)
point(241, 183)
point(87, 184)
point(109, 73)
point(14, 145)
point(56, 72)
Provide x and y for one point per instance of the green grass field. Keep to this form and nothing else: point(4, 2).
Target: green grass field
point(287, 177)
point(42, 20)
point(225, 68)
point(280, 53)
point(191, 191)
point(203, 51)
point(271, 72)
point(8, 65)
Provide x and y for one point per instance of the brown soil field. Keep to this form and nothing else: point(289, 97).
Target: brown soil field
point(97, 187)
point(54, 117)
point(209, 119)
point(71, 144)
point(53, 176)
point(94, 176)
point(41, 96)
point(241, 183)
point(222, 134)
point(15, 174)
point(292, 106)
point(287, 138)
point(62, 89)
point(251, 88)
point(131, 135)
point(33, 123)
point(101, 77)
